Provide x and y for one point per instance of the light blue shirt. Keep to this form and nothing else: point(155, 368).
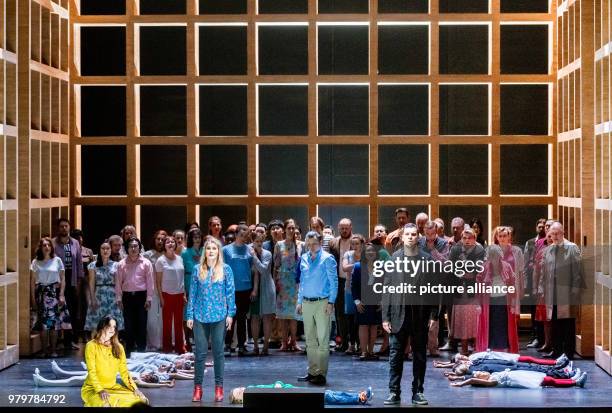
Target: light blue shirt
point(319, 277)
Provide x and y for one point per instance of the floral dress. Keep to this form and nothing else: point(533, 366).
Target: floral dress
point(286, 260)
point(51, 314)
point(105, 295)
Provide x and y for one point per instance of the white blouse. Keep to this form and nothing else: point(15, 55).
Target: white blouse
point(47, 272)
point(173, 278)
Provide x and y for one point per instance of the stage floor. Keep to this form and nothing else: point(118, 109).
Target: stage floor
point(345, 373)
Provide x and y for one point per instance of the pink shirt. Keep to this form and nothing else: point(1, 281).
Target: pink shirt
point(134, 276)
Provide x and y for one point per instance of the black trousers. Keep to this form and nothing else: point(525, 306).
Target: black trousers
point(416, 325)
point(563, 335)
point(70, 293)
point(341, 319)
point(135, 316)
point(243, 302)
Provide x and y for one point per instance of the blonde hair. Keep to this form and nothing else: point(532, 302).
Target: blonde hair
point(500, 229)
point(218, 266)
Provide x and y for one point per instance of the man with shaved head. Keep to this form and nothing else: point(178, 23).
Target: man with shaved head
point(562, 283)
point(337, 247)
point(420, 220)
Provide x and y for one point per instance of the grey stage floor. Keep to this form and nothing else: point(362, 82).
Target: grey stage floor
point(345, 373)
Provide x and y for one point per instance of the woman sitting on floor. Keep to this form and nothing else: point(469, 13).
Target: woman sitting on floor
point(105, 358)
point(519, 379)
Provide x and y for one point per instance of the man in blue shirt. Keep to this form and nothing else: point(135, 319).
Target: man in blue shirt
point(316, 298)
point(238, 257)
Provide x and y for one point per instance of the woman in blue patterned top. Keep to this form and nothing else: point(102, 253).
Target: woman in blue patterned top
point(210, 311)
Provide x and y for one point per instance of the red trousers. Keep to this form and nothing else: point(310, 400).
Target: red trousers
point(173, 310)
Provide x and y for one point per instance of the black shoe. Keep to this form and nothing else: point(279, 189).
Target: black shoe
point(242, 352)
point(318, 380)
point(392, 400)
point(419, 398)
point(307, 377)
point(552, 355)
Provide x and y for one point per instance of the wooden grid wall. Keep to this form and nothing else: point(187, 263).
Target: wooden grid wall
point(34, 152)
point(193, 199)
point(602, 181)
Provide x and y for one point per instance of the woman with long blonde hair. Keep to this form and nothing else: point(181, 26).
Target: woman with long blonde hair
point(210, 311)
point(500, 312)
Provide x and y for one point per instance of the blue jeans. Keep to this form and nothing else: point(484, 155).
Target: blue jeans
point(341, 397)
point(215, 332)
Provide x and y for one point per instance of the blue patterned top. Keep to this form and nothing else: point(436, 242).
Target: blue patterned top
point(210, 302)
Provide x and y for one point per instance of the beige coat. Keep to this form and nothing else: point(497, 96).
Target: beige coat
point(561, 268)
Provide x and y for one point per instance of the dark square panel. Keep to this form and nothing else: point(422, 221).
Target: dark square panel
point(283, 110)
point(229, 214)
point(359, 216)
point(343, 6)
point(522, 219)
point(464, 6)
point(163, 110)
point(343, 110)
point(109, 100)
point(223, 7)
point(283, 6)
point(156, 217)
point(403, 169)
point(283, 169)
point(283, 50)
point(464, 109)
point(464, 169)
point(163, 6)
point(524, 169)
point(343, 50)
point(103, 170)
point(403, 50)
point(524, 109)
point(163, 170)
point(162, 50)
point(524, 49)
point(386, 214)
point(403, 6)
point(467, 212)
point(100, 222)
point(111, 39)
point(524, 6)
point(223, 170)
point(299, 214)
point(403, 109)
point(223, 50)
point(343, 170)
point(223, 110)
point(464, 49)
point(102, 7)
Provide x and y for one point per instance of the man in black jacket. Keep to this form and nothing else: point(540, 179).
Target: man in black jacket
point(407, 314)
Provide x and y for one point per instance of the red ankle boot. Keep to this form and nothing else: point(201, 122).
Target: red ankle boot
point(197, 393)
point(218, 393)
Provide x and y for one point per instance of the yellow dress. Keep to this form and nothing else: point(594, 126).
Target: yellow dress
point(102, 369)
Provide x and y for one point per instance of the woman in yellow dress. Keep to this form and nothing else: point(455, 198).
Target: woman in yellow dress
point(105, 359)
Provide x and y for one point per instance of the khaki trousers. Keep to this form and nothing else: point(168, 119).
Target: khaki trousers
point(317, 325)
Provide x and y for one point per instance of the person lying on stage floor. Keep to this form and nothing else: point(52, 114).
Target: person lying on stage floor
point(145, 379)
point(519, 379)
point(496, 366)
point(332, 397)
point(135, 371)
point(561, 361)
